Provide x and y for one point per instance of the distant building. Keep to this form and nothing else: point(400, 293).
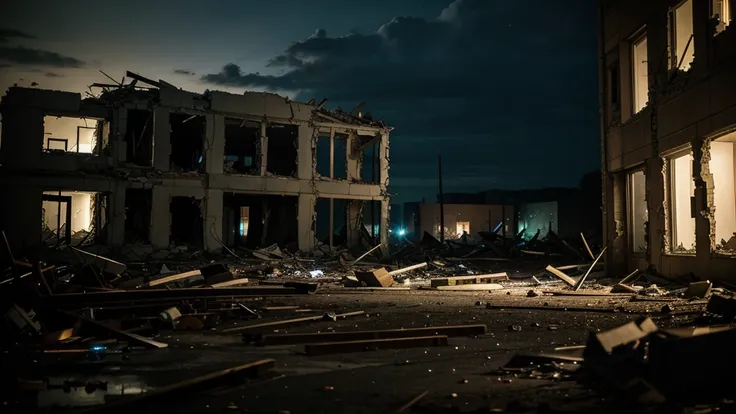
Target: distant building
point(668, 76)
point(471, 218)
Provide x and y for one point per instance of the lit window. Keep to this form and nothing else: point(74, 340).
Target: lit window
point(682, 190)
point(638, 211)
point(683, 44)
point(722, 13)
point(724, 199)
point(640, 74)
point(244, 218)
point(462, 227)
point(69, 134)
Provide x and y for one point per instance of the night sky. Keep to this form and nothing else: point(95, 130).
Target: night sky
point(505, 90)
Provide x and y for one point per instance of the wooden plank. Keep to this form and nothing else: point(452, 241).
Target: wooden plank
point(287, 322)
point(233, 282)
point(304, 338)
point(587, 247)
point(585, 276)
point(573, 293)
point(565, 278)
point(452, 280)
point(105, 264)
point(471, 286)
point(122, 335)
point(279, 308)
point(406, 407)
point(171, 278)
point(328, 348)
point(407, 269)
point(186, 387)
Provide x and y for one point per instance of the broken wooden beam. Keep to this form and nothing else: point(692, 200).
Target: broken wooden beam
point(587, 247)
point(560, 275)
point(364, 255)
point(304, 338)
point(163, 295)
point(585, 276)
point(407, 269)
point(118, 334)
point(103, 263)
point(234, 282)
point(187, 387)
point(328, 348)
point(453, 280)
point(171, 278)
point(406, 407)
point(376, 278)
point(471, 286)
point(289, 321)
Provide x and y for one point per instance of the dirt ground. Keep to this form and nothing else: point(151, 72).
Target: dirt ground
point(461, 377)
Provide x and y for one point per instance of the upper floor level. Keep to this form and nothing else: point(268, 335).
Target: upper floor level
point(159, 129)
point(654, 50)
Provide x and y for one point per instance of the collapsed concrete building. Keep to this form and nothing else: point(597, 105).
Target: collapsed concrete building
point(668, 108)
point(151, 164)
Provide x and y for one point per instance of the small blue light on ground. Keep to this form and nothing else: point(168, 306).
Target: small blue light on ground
point(97, 348)
point(402, 232)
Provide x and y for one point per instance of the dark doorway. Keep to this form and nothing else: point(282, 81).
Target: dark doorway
point(257, 221)
point(138, 203)
point(186, 221)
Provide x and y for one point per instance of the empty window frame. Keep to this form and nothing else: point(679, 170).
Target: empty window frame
point(638, 213)
point(721, 166)
point(681, 195)
point(722, 12)
point(682, 44)
point(640, 72)
point(78, 134)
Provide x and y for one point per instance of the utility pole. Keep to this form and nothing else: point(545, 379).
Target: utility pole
point(442, 203)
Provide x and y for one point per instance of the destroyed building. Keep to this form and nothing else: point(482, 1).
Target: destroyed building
point(151, 164)
point(668, 109)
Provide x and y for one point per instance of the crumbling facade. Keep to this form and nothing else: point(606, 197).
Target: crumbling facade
point(151, 164)
point(668, 121)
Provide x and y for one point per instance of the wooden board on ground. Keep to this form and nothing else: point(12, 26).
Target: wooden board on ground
point(287, 322)
point(328, 348)
point(471, 286)
point(460, 280)
point(560, 275)
point(585, 293)
point(304, 338)
point(171, 278)
point(122, 335)
point(186, 387)
point(234, 282)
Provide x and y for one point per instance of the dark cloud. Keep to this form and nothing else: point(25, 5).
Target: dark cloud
point(184, 72)
point(52, 75)
point(19, 55)
point(487, 83)
point(7, 34)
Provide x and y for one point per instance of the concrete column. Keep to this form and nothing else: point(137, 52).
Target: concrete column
point(355, 222)
point(23, 137)
point(305, 221)
point(702, 37)
point(161, 139)
point(215, 144)
point(385, 215)
point(213, 220)
point(655, 206)
point(306, 147)
point(160, 216)
point(116, 226)
point(22, 219)
point(354, 157)
point(118, 146)
point(383, 159)
point(264, 149)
